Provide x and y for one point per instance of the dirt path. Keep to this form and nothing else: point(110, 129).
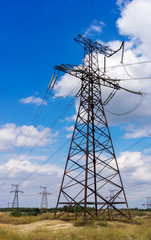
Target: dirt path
point(47, 224)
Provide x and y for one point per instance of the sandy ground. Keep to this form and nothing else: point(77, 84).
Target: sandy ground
point(47, 224)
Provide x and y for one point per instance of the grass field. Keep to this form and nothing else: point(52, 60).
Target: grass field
point(44, 227)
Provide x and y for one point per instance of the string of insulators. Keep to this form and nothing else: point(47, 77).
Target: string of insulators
point(131, 91)
point(78, 93)
point(109, 97)
point(52, 81)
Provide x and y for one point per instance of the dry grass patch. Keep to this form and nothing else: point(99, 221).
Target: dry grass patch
point(8, 219)
point(44, 228)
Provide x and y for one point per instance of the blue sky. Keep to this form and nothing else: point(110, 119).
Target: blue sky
point(34, 37)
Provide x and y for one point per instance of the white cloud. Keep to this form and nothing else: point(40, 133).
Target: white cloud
point(127, 100)
point(135, 167)
point(95, 27)
point(136, 27)
point(70, 129)
point(121, 3)
point(32, 99)
point(26, 167)
point(72, 118)
point(138, 132)
point(30, 176)
point(12, 136)
point(26, 184)
point(38, 158)
point(129, 160)
point(134, 23)
point(69, 135)
point(66, 86)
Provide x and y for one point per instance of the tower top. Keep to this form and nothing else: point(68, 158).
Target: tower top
point(90, 46)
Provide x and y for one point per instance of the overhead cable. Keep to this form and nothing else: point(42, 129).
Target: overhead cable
point(131, 110)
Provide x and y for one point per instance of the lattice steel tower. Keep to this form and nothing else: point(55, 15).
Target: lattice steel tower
point(91, 169)
point(148, 204)
point(44, 200)
point(15, 203)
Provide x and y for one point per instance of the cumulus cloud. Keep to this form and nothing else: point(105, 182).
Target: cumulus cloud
point(135, 167)
point(69, 135)
point(26, 167)
point(95, 27)
point(30, 176)
point(138, 132)
point(66, 86)
point(136, 28)
point(134, 23)
point(39, 158)
point(12, 136)
point(32, 99)
point(137, 25)
point(121, 3)
point(72, 118)
point(70, 129)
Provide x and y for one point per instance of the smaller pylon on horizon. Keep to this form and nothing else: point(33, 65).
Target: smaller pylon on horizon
point(15, 203)
point(44, 200)
point(111, 200)
point(148, 204)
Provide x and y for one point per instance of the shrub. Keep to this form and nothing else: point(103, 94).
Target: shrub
point(83, 222)
point(16, 212)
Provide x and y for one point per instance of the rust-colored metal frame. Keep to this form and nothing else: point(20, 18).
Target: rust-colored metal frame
point(91, 169)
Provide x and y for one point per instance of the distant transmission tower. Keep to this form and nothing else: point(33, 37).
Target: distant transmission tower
point(91, 169)
point(112, 194)
point(44, 201)
point(148, 203)
point(111, 199)
point(15, 203)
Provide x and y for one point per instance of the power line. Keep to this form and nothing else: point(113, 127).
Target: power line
point(106, 110)
point(37, 115)
point(50, 157)
point(45, 134)
point(138, 141)
point(136, 78)
point(131, 110)
point(62, 146)
point(129, 64)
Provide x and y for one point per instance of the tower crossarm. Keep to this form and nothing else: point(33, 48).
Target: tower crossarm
point(16, 191)
point(81, 72)
point(74, 70)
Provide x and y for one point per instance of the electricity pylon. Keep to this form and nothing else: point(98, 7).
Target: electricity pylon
point(15, 203)
point(92, 169)
point(148, 204)
point(44, 201)
point(111, 198)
